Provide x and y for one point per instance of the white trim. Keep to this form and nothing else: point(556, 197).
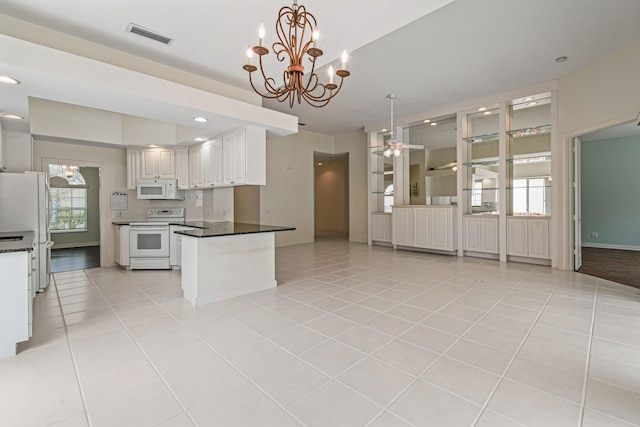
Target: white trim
point(608, 246)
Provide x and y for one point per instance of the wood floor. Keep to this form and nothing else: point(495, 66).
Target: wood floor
point(70, 259)
point(612, 264)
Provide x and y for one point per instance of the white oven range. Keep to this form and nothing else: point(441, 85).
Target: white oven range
point(149, 241)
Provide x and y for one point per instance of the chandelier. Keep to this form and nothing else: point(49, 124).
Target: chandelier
point(297, 33)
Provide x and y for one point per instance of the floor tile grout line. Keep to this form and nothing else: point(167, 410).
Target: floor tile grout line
point(513, 358)
point(72, 354)
point(583, 399)
point(442, 354)
point(146, 356)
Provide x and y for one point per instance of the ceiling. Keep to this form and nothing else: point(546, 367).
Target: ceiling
point(429, 53)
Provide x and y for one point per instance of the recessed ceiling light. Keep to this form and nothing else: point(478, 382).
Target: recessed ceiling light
point(434, 123)
point(11, 116)
point(152, 146)
point(199, 139)
point(486, 113)
point(200, 120)
point(529, 98)
point(9, 80)
point(531, 104)
point(482, 109)
point(427, 121)
point(384, 130)
point(560, 59)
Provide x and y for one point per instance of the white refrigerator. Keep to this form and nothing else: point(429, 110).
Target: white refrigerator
point(24, 205)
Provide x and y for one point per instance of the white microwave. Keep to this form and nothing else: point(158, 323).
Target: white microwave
point(159, 189)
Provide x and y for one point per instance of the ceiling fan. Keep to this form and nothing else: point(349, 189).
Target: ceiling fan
point(392, 146)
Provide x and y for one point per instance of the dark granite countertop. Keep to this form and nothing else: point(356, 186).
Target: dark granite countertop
point(16, 241)
point(217, 229)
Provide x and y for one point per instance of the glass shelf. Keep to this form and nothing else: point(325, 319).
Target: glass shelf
point(483, 189)
point(483, 138)
point(531, 186)
point(533, 158)
point(482, 163)
point(531, 131)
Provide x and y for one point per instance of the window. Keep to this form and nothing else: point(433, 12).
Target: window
point(476, 194)
point(68, 199)
point(531, 196)
point(388, 198)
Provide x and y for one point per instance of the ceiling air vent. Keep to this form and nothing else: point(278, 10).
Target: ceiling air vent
point(145, 32)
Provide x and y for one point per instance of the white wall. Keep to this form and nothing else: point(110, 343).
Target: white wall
point(287, 199)
point(17, 151)
point(355, 143)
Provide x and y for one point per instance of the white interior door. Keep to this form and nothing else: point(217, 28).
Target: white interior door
point(577, 207)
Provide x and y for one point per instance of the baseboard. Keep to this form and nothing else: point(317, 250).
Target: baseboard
point(607, 246)
point(74, 245)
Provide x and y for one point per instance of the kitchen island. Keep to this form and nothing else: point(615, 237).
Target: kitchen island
point(221, 260)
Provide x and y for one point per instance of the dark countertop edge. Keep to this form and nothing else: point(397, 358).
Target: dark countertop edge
point(25, 245)
point(212, 232)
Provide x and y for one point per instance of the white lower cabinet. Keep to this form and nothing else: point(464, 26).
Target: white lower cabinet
point(528, 237)
point(425, 227)
point(381, 227)
point(481, 234)
point(121, 245)
point(15, 301)
point(402, 218)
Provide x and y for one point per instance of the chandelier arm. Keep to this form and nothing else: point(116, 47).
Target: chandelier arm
point(269, 82)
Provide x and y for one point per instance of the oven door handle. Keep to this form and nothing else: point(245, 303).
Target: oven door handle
point(149, 228)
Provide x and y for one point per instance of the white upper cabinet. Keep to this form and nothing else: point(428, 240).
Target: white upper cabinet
point(182, 167)
point(133, 167)
point(244, 157)
point(157, 163)
point(196, 173)
point(237, 158)
point(217, 162)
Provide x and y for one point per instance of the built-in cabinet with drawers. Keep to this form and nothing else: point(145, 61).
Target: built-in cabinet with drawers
point(425, 227)
point(481, 233)
point(528, 237)
point(504, 185)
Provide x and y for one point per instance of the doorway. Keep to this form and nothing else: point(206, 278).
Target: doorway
point(74, 216)
point(605, 212)
point(331, 185)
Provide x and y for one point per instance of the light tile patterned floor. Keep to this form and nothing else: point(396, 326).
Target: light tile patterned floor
point(352, 336)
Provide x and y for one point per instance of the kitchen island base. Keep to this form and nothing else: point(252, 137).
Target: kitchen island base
point(215, 269)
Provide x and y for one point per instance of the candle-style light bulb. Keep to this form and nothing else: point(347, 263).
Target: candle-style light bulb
point(250, 54)
point(330, 74)
point(261, 33)
point(344, 60)
point(315, 35)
